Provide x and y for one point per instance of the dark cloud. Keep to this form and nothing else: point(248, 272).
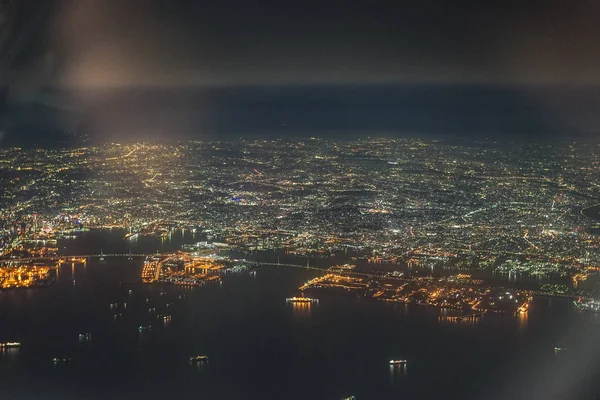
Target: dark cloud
point(179, 43)
point(302, 66)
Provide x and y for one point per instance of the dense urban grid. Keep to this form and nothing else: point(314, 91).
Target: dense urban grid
point(477, 208)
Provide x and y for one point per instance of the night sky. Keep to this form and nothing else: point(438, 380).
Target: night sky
point(278, 60)
point(173, 43)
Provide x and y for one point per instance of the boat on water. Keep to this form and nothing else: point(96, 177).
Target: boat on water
point(132, 236)
point(164, 316)
point(301, 300)
point(349, 398)
point(557, 349)
point(199, 359)
point(85, 336)
point(58, 360)
point(397, 362)
point(142, 328)
point(9, 345)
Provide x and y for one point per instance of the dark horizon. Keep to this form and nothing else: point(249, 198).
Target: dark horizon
point(444, 111)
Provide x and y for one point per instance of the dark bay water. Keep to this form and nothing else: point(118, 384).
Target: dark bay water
point(592, 212)
point(262, 348)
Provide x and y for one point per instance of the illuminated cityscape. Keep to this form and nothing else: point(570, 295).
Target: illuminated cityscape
point(423, 203)
point(23, 277)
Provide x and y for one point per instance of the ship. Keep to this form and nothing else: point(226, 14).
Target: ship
point(301, 300)
point(199, 359)
point(85, 336)
point(8, 345)
point(58, 360)
point(397, 362)
point(144, 328)
point(132, 236)
point(166, 317)
point(557, 349)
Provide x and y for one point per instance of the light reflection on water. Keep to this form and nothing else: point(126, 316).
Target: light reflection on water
point(523, 317)
point(398, 373)
point(255, 340)
point(301, 309)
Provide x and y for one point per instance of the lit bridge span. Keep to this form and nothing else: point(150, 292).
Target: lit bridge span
point(107, 255)
point(259, 263)
point(77, 257)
